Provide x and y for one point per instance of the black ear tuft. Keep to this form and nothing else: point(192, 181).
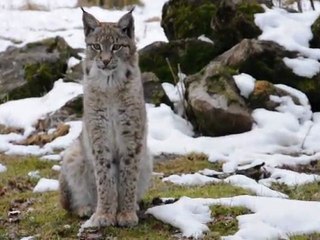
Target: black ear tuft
point(126, 24)
point(89, 22)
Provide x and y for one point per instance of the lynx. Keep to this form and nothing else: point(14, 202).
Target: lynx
point(108, 168)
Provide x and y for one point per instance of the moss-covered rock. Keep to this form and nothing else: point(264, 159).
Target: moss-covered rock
point(315, 28)
point(30, 71)
point(71, 111)
point(226, 22)
point(187, 18)
point(215, 106)
point(234, 22)
point(153, 90)
point(264, 60)
point(191, 54)
point(260, 96)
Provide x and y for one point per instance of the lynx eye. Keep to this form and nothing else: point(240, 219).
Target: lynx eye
point(116, 47)
point(96, 46)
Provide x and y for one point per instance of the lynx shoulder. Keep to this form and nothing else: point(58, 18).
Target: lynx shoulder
point(107, 170)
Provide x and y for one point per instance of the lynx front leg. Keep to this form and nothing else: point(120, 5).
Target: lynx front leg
point(106, 182)
point(128, 181)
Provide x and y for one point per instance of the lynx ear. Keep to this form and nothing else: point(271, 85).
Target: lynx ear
point(89, 22)
point(126, 24)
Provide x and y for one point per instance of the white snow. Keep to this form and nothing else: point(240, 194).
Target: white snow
point(56, 168)
point(21, 27)
point(33, 109)
point(66, 140)
point(272, 218)
point(205, 39)
point(34, 174)
point(250, 184)
point(245, 83)
point(185, 214)
point(3, 168)
point(72, 62)
point(303, 67)
point(45, 185)
point(28, 238)
point(52, 157)
point(289, 177)
point(290, 30)
point(195, 179)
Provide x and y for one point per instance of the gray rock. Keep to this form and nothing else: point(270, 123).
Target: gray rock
point(153, 90)
point(30, 71)
point(215, 106)
point(264, 61)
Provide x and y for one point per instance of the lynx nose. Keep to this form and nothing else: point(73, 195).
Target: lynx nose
point(106, 62)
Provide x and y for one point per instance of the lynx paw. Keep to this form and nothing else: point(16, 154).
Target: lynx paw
point(85, 211)
point(100, 220)
point(127, 219)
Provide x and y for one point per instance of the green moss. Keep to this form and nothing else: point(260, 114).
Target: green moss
point(217, 190)
point(315, 28)
point(181, 20)
point(221, 83)
point(232, 24)
point(315, 236)
point(189, 163)
point(191, 55)
point(225, 222)
point(306, 192)
point(40, 78)
point(40, 75)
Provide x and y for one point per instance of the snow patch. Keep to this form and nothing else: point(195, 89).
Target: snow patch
point(250, 184)
point(185, 214)
point(195, 179)
point(56, 168)
point(245, 83)
point(45, 185)
point(303, 67)
point(3, 168)
point(33, 109)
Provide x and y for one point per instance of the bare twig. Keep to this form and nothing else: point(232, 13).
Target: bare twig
point(172, 72)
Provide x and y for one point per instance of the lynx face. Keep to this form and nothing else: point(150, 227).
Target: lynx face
point(109, 45)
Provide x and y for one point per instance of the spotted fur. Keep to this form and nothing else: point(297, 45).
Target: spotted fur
point(107, 170)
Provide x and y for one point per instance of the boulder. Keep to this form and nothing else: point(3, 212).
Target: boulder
point(191, 54)
point(233, 22)
point(187, 18)
point(226, 22)
point(30, 71)
point(153, 90)
point(264, 60)
point(260, 96)
point(74, 74)
point(71, 111)
point(315, 28)
point(215, 106)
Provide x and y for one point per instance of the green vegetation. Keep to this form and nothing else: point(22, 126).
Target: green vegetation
point(307, 192)
point(306, 237)
point(42, 216)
